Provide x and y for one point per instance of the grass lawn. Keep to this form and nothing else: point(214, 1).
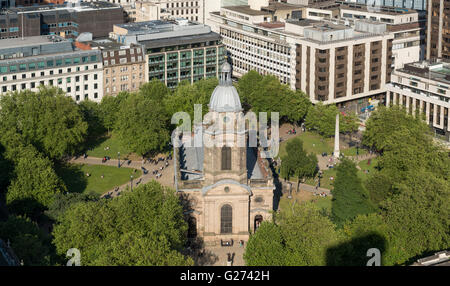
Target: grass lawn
point(326, 181)
point(303, 196)
point(352, 151)
point(363, 165)
point(114, 147)
point(312, 143)
point(74, 176)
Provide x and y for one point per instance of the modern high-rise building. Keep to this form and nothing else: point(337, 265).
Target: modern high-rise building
point(175, 50)
point(438, 29)
point(423, 88)
point(26, 64)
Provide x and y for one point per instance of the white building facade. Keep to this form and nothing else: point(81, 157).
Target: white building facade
point(424, 88)
point(50, 61)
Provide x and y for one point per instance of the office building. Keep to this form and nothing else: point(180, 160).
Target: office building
point(175, 50)
point(123, 66)
point(407, 26)
point(26, 64)
point(438, 32)
point(409, 4)
point(68, 20)
point(424, 88)
point(330, 62)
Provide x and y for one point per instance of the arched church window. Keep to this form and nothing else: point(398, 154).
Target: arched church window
point(226, 219)
point(226, 158)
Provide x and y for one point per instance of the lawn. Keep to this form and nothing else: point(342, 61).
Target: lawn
point(303, 196)
point(312, 143)
point(352, 151)
point(326, 181)
point(74, 176)
point(114, 145)
point(364, 166)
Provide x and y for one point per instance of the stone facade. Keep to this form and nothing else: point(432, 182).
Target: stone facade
point(233, 190)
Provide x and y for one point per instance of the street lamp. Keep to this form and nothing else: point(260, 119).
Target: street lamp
point(131, 182)
point(118, 159)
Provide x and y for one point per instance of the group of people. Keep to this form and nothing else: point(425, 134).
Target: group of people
point(322, 194)
point(292, 131)
point(158, 172)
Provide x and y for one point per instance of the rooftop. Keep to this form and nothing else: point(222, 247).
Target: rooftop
point(30, 41)
point(157, 26)
point(83, 6)
point(438, 70)
point(273, 7)
point(245, 9)
point(379, 10)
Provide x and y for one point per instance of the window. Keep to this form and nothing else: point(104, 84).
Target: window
point(226, 158)
point(226, 219)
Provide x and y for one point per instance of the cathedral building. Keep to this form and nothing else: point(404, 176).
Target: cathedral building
point(227, 185)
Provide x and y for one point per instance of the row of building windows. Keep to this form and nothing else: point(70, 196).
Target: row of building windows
point(47, 64)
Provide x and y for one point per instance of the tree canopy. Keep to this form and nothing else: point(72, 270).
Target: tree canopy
point(30, 244)
point(322, 118)
point(300, 237)
point(142, 124)
point(297, 163)
point(350, 198)
point(266, 94)
point(47, 119)
point(143, 227)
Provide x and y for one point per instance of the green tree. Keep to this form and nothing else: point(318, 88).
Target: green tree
point(5, 170)
point(418, 219)
point(34, 182)
point(359, 235)
point(350, 198)
point(48, 119)
point(385, 121)
point(109, 109)
point(296, 106)
point(29, 243)
point(297, 162)
point(142, 125)
point(184, 98)
point(154, 90)
point(307, 235)
point(63, 201)
point(143, 227)
point(265, 247)
point(246, 86)
point(92, 114)
point(322, 118)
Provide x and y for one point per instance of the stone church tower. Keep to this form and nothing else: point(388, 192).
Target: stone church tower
point(227, 186)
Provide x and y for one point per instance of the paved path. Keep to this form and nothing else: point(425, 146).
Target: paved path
point(166, 178)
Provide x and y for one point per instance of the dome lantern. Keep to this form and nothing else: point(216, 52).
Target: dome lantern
point(225, 97)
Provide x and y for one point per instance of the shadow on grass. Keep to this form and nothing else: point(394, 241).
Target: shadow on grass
point(92, 143)
point(73, 177)
point(355, 251)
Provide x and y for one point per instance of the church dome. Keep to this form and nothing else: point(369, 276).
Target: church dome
point(225, 97)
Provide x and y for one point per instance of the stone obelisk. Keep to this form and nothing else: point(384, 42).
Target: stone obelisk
point(336, 138)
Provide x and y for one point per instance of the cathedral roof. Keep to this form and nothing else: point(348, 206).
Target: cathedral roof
point(225, 97)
